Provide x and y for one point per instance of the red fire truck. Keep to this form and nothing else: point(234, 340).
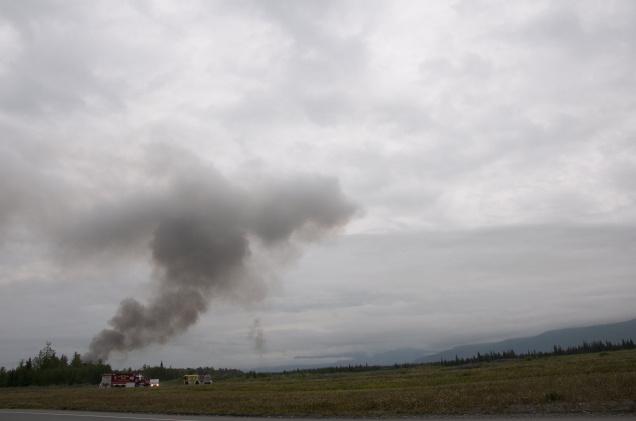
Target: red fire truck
point(124, 380)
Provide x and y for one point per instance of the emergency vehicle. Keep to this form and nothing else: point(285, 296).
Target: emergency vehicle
point(124, 380)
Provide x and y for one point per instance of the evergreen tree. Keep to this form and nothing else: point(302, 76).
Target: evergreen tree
point(76, 361)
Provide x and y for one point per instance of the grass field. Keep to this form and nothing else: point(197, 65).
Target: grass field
point(580, 383)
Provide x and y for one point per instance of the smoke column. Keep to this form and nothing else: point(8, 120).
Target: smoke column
point(201, 233)
point(257, 335)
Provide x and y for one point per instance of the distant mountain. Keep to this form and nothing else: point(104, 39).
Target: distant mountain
point(613, 332)
point(402, 355)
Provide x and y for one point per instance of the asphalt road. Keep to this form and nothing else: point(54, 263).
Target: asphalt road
point(26, 415)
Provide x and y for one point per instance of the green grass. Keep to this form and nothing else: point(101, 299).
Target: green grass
point(568, 384)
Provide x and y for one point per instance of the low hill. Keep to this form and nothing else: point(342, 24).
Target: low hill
point(613, 332)
point(568, 337)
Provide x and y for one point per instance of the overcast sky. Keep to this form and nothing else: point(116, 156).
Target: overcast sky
point(477, 160)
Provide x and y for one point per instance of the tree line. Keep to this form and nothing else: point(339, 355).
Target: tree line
point(169, 373)
point(47, 368)
point(584, 348)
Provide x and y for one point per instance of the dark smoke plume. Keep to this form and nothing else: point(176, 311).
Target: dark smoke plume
point(202, 232)
point(206, 236)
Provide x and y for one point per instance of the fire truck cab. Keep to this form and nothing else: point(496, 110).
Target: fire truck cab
point(124, 380)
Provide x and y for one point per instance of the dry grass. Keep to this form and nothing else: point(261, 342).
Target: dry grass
point(582, 383)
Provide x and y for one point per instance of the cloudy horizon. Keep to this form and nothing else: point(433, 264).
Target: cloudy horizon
point(392, 174)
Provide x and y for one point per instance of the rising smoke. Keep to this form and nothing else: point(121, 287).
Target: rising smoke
point(257, 335)
point(205, 235)
point(201, 236)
